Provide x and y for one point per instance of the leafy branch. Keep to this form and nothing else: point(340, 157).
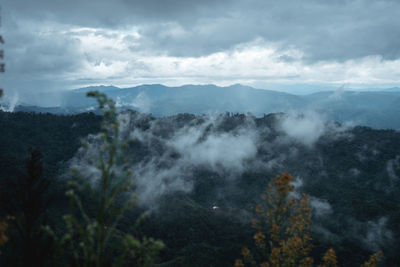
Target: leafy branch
point(93, 237)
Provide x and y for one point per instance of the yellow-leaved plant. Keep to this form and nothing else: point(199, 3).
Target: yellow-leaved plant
point(283, 237)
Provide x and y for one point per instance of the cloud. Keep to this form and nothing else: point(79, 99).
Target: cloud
point(174, 154)
point(305, 129)
point(182, 152)
point(170, 151)
point(321, 208)
point(223, 42)
point(32, 50)
point(171, 156)
point(392, 168)
point(372, 235)
point(141, 102)
point(217, 150)
point(377, 234)
point(9, 101)
point(335, 30)
point(115, 14)
point(367, 153)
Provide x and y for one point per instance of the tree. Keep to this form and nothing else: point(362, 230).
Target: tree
point(287, 220)
point(3, 223)
point(29, 202)
point(283, 236)
point(2, 65)
point(93, 236)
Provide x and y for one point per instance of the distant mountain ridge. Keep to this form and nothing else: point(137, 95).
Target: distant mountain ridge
point(377, 109)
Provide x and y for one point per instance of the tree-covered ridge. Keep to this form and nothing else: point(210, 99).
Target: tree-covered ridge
point(202, 177)
point(58, 138)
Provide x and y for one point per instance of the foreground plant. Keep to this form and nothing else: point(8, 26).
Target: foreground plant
point(92, 236)
point(283, 236)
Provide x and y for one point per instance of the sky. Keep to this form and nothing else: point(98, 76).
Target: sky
point(53, 45)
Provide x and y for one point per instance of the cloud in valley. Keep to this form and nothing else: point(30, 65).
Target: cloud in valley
point(173, 155)
point(306, 128)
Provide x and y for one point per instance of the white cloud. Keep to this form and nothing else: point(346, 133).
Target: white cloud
point(320, 207)
point(305, 129)
point(250, 62)
point(120, 57)
point(223, 42)
point(217, 150)
point(9, 101)
point(173, 155)
point(141, 102)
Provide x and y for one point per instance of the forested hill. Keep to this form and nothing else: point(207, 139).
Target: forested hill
point(202, 175)
point(58, 137)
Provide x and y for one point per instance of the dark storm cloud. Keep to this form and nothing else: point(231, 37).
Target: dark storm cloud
point(33, 50)
point(105, 13)
point(323, 30)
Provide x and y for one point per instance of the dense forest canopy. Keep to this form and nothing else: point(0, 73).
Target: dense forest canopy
point(205, 174)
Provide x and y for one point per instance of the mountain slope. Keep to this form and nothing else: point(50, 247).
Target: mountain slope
point(378, 109)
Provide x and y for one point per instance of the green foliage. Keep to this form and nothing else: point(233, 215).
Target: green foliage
point(58, 138)
point(92, 236)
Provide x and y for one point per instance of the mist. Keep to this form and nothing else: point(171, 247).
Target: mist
point(168, 154)
point(9, 101)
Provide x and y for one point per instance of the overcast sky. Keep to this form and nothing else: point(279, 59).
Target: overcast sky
point(57, 44)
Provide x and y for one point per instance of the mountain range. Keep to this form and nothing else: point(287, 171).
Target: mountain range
point(377, 109)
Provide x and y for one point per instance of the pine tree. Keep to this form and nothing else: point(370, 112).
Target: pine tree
point(93, 237)
point(2, 65)
point(4, 222)
point(31, 205)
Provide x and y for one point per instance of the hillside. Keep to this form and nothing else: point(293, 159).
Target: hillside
point(204, 174)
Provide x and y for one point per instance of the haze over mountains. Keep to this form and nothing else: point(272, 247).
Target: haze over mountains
point(377, 109)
